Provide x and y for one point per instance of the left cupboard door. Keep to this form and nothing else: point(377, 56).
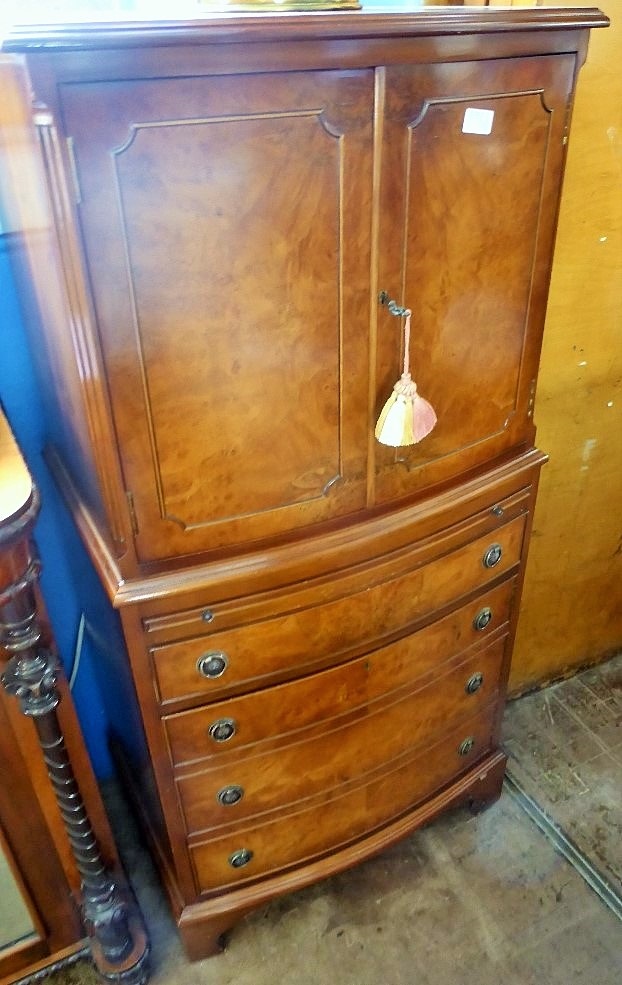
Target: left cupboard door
point(226, 224)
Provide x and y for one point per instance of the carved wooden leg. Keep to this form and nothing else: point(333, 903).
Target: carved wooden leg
point(116, 933)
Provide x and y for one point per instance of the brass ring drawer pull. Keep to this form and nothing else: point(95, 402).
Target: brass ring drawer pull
point(474, 683)
point(239, 859)
point(466, 746)
point(492, 556)
point(482, 619)
point(228, 796)
point(212, 664)
point(222, 729)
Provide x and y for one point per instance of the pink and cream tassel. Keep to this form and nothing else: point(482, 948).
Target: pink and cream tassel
point(406, 417)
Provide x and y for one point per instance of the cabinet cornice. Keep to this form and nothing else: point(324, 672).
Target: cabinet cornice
point(377, 22)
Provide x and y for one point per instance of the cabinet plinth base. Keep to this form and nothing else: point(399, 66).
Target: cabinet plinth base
point(487, 788)
point(202, 926)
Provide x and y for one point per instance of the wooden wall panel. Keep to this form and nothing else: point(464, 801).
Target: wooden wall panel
point(571, 611)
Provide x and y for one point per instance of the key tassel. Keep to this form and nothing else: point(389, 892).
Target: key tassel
point(406, 417)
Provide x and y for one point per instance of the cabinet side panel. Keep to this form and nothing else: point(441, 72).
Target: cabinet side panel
point(32, 206)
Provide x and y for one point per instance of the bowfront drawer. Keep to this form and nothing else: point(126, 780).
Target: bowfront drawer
point(223, 726)
point(341, 815)
point(299, 640)
point(344, 749)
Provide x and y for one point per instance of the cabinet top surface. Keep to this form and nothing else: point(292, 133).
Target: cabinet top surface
point(75, 24)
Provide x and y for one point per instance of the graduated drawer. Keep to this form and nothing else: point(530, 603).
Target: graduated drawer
point(313, 700)
point(251, 655)
point(347, 747)
point(341, 815)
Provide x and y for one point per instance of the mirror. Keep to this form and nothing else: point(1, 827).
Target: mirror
point(16, 924)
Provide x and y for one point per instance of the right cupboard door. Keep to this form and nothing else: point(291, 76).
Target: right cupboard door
point(471, 166)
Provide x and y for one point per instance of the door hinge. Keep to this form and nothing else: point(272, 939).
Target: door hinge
point(132, 509)
point(73, 167)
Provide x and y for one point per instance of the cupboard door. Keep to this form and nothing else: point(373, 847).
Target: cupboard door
point(472, 157)
point(226, 223)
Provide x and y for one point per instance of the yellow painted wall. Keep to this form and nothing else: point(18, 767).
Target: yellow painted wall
point(571, 612)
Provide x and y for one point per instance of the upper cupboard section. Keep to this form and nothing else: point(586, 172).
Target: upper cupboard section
point(237, 230)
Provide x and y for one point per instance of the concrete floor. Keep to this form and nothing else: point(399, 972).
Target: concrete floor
point(565, 749)
point(469, 900)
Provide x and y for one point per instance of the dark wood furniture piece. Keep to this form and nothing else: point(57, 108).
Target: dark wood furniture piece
point(318, 627)
point(41, 920)
point(63, 893)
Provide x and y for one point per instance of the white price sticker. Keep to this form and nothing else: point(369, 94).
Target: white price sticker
point(478, 120)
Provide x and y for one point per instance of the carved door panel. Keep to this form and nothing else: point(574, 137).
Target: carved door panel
point(471, 157)
point(226, 224)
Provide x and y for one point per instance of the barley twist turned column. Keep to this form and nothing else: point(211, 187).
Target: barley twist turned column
point(116, 933)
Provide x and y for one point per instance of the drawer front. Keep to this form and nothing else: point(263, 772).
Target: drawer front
point(347, 749)
point(286, 708)
point(250, 656)
point(342, 815)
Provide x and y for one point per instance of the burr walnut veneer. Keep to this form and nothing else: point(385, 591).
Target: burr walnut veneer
point(318, 627)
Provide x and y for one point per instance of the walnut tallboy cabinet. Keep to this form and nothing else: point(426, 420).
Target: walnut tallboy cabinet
point(318, 627)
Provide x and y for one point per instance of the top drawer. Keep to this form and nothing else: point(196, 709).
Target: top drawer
point(295, 641)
